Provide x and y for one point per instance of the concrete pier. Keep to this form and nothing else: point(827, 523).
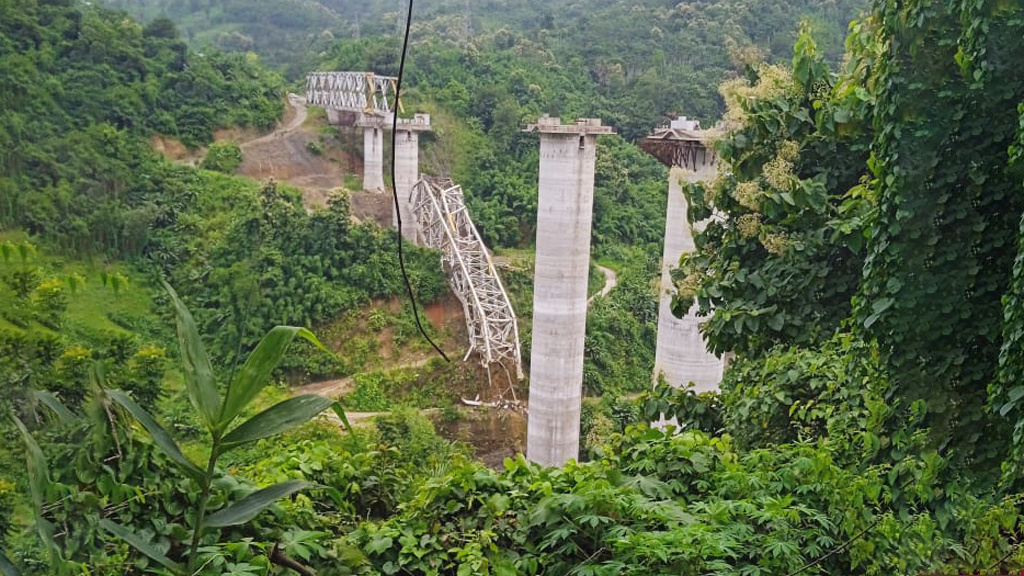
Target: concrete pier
point(681, 355)
point(407, 170)
point(564, 215)
point(373, 158)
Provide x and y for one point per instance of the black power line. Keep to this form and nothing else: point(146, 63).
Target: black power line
point(394, 187)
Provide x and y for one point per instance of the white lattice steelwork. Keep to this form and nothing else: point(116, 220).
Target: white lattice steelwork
point(444, 224)
point(352, 92)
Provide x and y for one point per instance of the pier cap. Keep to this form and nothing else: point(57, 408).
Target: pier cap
point(553, 125)
point(418, 123)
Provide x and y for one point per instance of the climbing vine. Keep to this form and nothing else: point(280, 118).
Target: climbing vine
point(941, 250)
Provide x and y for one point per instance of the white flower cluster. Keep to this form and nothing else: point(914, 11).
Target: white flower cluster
point(775, 243)
point(748, 225)
point(773, 81)
point(687, 287)
point(748, 194)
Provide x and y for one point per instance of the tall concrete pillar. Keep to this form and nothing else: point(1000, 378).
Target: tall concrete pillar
point(407, 170)
point(373, 158)
point(681, 355)
point(564, 213)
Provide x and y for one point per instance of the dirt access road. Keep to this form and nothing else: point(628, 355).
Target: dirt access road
point(293, 122)
point(286, 156)
point(611, 280)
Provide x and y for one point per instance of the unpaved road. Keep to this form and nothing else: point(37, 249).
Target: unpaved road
point(298, 104)
point(285, 156)
point(611, 280)
point(335, 388)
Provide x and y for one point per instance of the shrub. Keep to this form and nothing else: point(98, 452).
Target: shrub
point(7, 496)
point(222, 157)
point(51, 301)
point(145, 375)
point(368, 395)
point(72, 375)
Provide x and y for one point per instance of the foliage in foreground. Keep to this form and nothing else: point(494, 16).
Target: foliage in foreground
point(218, 413)
point(658, 503)
point(851, 204)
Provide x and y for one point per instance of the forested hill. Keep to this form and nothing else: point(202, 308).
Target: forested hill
point(81, 88)
point(649, 46)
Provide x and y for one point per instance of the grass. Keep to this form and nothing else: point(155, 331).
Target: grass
point(94, 309)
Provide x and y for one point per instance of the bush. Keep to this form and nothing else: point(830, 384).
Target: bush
point(7, 497)
point(145, 375)
point(797, 394)
point(368, 395)
point(24, 280)
point(72, 375)
point(222, 157)
point(51, 301)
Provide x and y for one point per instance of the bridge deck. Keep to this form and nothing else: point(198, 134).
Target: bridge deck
point(363, 92)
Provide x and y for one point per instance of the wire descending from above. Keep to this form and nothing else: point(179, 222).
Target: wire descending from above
point(394, 189)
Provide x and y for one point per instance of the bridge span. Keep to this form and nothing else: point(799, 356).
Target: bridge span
point(362, 92)
point(444, 224)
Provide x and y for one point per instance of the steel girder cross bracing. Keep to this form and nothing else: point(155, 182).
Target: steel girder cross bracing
point(444, 224)
point(352, 92)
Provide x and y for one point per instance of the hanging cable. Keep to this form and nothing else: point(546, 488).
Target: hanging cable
point(394, 187)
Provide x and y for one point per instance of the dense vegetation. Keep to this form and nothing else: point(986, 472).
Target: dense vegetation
point(865, 272)
point(81, 89)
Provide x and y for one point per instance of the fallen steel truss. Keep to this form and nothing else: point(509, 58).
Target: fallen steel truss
point(352, 92)
point(444, 224)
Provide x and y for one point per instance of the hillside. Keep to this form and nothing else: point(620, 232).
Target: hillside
point(208, 364)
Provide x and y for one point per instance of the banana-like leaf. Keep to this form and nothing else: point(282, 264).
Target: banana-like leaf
point(54, 404)
point(199, 380)
point(247, 508)
point(140, 544)
point(255, 373)
point(340, 412)
point(45, 530)
point(7, 568)
point(280, 417)
point(160, 436)
point(38, 476)
point(39, 482)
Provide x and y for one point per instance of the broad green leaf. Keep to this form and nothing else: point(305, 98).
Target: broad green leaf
point(7, 568)
point(45, 530)
point(54, 404)
point(160, 436)
point(280, 417)
point(202, 389)
point(139, 544)
point(247, 508)
point(340, 412)
point(38, 477)
point(255, 373)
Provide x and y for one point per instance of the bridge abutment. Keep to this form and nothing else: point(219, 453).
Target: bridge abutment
point(564, 217)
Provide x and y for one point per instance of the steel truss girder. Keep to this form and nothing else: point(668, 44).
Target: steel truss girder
point(352, 92)
point(444, 224)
